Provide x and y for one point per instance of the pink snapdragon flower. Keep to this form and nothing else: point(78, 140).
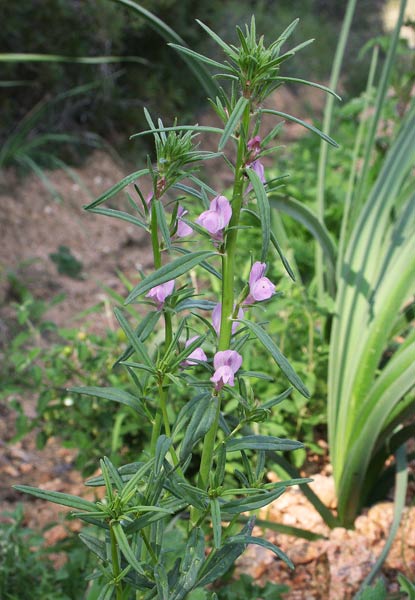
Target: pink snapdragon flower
point(258, 167)
point(149, 199)
point(226, 364)
point(260, 287)
point(254, 146)
point(217, 315)
point(183, 229)
point(160, 292)
point(196, 355)
point(217, 217)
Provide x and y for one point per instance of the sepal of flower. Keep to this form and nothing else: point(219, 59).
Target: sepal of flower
point(198, 354)
point(183, 229)
point(217, 217)
point(260, 287)
point(226, 363)
point(159, 293)
point(217, 316)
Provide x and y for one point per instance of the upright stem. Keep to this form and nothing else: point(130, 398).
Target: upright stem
point(228, 275)
point(115, 564)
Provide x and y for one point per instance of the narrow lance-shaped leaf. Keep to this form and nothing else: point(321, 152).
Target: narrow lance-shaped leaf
point(126, 549)
point(233, 121)
point(135, 342)
point(109, 393)
point(199, 424)
point(310, 83)
point(264, 211)
point(219, 561)
point(177, 267)
point(116, 188)
point(247, 539)
point(216, 522)
point(276, 245)
point(119, 214)
point(190, 566)
point(323, 136)
point(195, 128)
point(236, 507)
point(58, 498)
point(278, 356)
point(162, 223)
point(309, 219)
point(95, 545)
point(200, 57)
point(261, 442)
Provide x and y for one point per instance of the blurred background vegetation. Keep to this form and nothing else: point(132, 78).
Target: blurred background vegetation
point(113, 106)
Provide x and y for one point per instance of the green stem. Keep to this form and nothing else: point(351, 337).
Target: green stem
point(115, 564)
point(228, 275)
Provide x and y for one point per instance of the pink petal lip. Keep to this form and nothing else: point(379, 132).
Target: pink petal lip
point(226, 364)
point(160, 292)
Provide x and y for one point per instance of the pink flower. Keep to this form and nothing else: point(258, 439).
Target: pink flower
point(260, 287)
point(226, 363)
point(254, 146)
point(197, 354)
point(217, 315)
point(149, 198)
point(217, 217)
point(183, 229)
point(160, 292)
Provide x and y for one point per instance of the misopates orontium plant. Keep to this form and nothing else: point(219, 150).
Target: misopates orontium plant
point(145, 500)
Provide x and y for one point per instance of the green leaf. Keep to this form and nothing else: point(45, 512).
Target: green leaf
point(195, 128)
point(261, 442)
point(310, 83)
point(200, 57)
point(219, 561)
point(59, 58)
point(399, 505)
point(106, 592)
point(247, 539)
point(304, 215)
point(278, 356)
point(278, 113)
point(58, 498)
point(251, 502)
point(112, 191)
point(119, 214)
point(205, 265)
point(264, 210)
point(276, 245)
point(199, 424)
point(190, 565)
point(216, 522)
point(145, 328)
point(162, 447)
point(95, 545)
point(177, 267)
point(233, 121)
point(126, 549)
point(134, 340)
point(109, 393)
point(187, 411)
point(162, 223)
